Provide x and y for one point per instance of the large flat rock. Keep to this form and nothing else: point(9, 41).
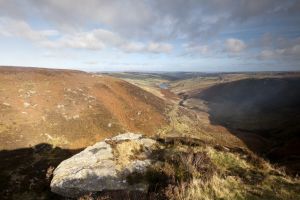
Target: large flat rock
point(104, 166)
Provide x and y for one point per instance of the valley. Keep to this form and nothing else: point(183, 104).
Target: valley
point(261, 109)
point(244, 125)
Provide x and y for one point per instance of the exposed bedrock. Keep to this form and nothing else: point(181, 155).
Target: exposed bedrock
point(104, 166)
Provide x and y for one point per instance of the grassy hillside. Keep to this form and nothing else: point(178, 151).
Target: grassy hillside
point(46, 116)
point(265, 110)
point(71, 109)
point(214, 172)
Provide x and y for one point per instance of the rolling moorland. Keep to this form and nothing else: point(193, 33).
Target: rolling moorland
point(37, 105)
point(261, 109)
point(243, 127)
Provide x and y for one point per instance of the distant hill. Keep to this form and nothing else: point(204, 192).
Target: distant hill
point(71, 109)
point(264, 113)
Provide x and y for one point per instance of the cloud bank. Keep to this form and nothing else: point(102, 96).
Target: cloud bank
point(260, 30)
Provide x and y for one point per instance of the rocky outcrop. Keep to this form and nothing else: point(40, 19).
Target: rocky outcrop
point(105, 166)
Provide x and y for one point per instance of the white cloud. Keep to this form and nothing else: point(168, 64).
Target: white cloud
point(159, 47)
point(290, 53)
point(154, 26)
point(266, 54)
point(132, 47)
point(10, 27)
point(190, 19)
point(293, 50)
point(96, 39)
point(99, 39)
point(284, 49)
point(197, 49)
point(233, 45)
point(152, 47)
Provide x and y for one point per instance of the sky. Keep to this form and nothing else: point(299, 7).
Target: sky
point(151, 35)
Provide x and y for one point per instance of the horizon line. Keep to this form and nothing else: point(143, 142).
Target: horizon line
point(145, 71)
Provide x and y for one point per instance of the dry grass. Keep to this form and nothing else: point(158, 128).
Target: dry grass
point(128, 150)
point(237, 178)
point(202, 172)
point(71, 109)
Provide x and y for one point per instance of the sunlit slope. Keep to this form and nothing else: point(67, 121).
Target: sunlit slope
point(71, 108)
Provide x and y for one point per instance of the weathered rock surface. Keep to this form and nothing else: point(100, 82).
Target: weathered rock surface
point(104, 166)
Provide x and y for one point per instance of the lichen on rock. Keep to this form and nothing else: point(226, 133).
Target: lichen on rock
point(105, 166)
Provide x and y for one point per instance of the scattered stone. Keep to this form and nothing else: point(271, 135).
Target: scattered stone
point(26, 104)
point(6, 104)
point(31, 91)
point(49, 172)
point(67, 117)
point(75, 117)
point(126, 136)
point(48, 136)
point(109, 125)
point(60, 106)
point(98, 75)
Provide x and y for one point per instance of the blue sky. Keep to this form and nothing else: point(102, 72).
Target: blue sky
point(151, 35)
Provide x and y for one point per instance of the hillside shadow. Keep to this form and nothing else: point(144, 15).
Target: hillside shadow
point(264, 113)
point(93, 183)
point(26, 173)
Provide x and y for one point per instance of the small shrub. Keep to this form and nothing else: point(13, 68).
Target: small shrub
point(173, 170)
